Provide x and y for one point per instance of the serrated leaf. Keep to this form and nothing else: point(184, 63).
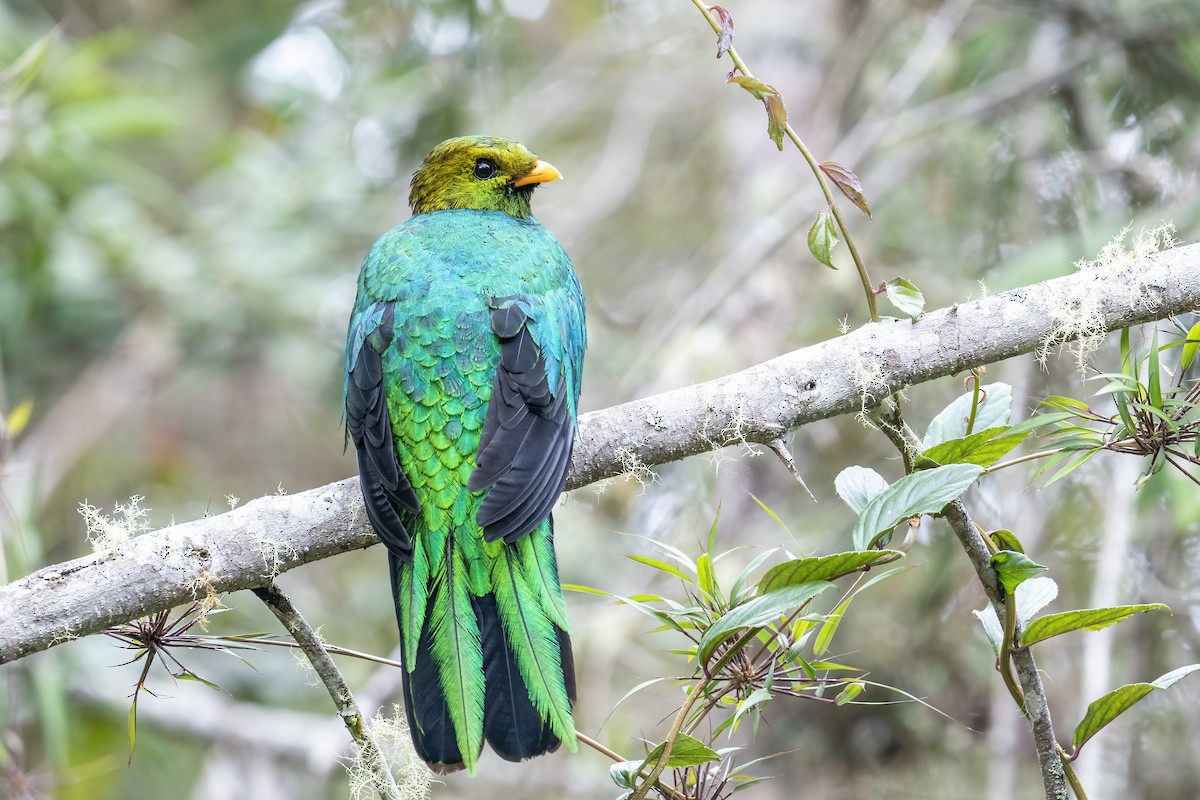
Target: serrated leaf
point(725, 35)
point(983, 448)
point(849, 184)
point(822, 237)
point(754, 86)
point(857, 485)
point(777, 118)
point(1112, 705)
point(687, 751)
point(1014, 568)
point(925, 492)
point(756, 613)
point(904, 295)
point(994, 410)
point(1188, 355)
point(823, 568)
point(1091, 619)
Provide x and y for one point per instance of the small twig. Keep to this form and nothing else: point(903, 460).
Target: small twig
point(283, 609)
point(780, 448)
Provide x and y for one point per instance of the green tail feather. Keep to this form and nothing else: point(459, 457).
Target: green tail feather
point(534, 642)
point(412, 599)
point(538, 565)
point(457, 650)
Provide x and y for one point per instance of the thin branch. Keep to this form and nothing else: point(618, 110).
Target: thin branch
point(281, 606)
point(249, 546)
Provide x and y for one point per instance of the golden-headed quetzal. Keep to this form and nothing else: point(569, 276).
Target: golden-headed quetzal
point(463, 364)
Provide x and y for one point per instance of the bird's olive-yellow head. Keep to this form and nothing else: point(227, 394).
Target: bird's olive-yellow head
point(479, 172)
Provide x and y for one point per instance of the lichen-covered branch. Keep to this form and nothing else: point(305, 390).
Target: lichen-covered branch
point(247, 547)
point(285, 611)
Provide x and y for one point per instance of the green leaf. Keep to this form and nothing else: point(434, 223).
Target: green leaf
point(1188, 355)
point(131, 724)
point(1072, 465)
point(983, 448)
point(191, 676)
point(823, 568)
point(995, 406)
point(1091, 619)
point(16, 77)
point(758, 697)
point(754, 86)
point(1032, 596)
point(925, 492)
point(905, 296)
point(624, 773)
point(853, 689)
point(756, 613)
point(822, 236)
point(687, 751)
point(18, 418)
point(1014, 568)
point(777, 117)
point(661, 566)
point(1112, 705)
point(1007, 540)
point(857, 485)
point(849, 184)
point(830, 626)
point(745, 574)
point(1154, 373)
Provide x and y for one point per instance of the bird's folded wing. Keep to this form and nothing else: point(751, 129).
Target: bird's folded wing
point(386, 490)
point(527, 438)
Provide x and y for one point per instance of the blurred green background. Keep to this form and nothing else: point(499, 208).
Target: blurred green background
point(186, 191)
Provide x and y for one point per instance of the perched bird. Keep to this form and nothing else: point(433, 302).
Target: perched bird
point(463, 364)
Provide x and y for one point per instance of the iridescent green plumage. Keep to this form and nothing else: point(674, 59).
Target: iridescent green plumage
point(463, 364)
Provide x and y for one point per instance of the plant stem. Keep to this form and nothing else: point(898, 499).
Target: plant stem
point(1035, 705)
point(283, 609)
point(639, 793)
point(868, 287)
point(615, 756)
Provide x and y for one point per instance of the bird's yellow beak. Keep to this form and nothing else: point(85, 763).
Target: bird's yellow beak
point(542, 172)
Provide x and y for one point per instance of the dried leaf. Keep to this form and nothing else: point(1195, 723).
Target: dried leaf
point(754, 86)
point(725, 37)
point(845, 179)
point(776, 118)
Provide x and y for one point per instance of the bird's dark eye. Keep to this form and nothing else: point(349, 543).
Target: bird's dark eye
point(484, 169)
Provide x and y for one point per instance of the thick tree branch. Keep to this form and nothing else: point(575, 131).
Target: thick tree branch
point(247, 547)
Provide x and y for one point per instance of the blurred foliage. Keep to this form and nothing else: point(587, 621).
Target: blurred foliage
point(186, 189)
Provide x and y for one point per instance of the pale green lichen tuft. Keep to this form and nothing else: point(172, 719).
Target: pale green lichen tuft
point(633, 468)
point(390, 732)
point(107, 533)
point(1078, 322)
